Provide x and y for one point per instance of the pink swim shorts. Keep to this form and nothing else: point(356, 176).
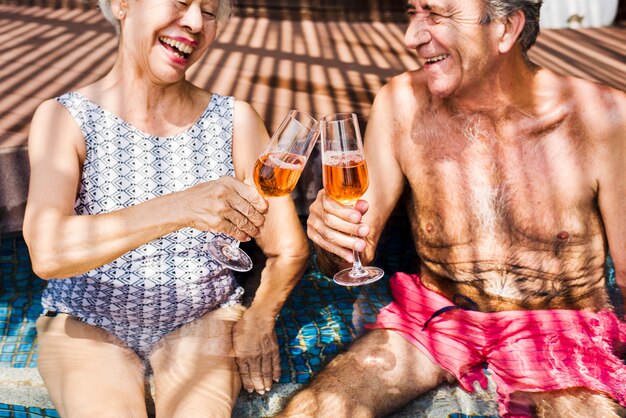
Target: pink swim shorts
point(528, 351)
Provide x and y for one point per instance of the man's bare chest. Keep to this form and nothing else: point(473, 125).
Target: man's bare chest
point(501, 193)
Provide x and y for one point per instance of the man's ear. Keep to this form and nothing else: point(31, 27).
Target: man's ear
point(509, 30)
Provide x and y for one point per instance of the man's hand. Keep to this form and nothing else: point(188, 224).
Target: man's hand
point(256, 352)
point(337, 228)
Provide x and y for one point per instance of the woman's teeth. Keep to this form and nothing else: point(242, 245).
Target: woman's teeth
point(178, 46)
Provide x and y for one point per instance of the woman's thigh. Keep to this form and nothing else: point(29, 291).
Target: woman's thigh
point(195, 374)
point(87, 371)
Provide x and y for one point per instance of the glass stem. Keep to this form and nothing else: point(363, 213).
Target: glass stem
point(357, 267)
point(231, 250)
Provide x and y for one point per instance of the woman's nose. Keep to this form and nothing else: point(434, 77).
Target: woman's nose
point(192, 18)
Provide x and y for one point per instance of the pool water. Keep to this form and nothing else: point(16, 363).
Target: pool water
point(317, 321)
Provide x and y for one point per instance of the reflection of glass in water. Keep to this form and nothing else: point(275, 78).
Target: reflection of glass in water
point(276, 174)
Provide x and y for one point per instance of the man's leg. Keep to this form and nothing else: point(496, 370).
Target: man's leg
point(573, 403)
point(195, 373)
point(87, 371)
point(379, 373)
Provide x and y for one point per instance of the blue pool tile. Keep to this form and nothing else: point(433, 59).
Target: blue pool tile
point(15, 411)
point(303, 378)
point(8, 348)
point(457, 415)
point(295, 351)
point(25, 348)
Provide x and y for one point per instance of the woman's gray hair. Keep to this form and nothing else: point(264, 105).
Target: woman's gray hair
point(224, 12)
point(496, 9)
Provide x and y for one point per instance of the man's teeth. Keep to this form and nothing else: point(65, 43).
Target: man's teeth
point(436, 59)
point(184, 48)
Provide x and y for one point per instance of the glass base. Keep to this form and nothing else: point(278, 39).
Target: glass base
point(370, 275)
point(232, 257)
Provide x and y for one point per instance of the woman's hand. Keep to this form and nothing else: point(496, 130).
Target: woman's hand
point(226, 205)
point(256, 352)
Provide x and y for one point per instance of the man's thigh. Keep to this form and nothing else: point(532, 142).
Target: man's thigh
point(195, 374)
point(571, 403)
point(87, 371)
point(379, 373)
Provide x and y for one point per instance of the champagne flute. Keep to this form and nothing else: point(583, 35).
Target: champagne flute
point(345, 180)
point(276, 173)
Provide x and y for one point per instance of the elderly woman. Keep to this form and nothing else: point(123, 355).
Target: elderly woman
point(131, 175)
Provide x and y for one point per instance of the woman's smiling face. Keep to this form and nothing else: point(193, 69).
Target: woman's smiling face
point(163, 38)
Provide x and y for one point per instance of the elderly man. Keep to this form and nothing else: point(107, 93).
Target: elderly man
point(516, 191)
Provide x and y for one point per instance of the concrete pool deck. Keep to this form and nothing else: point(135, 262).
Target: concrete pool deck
point(277, 57)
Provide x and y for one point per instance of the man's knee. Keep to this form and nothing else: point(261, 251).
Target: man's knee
point(314, 402)
point(571, 403)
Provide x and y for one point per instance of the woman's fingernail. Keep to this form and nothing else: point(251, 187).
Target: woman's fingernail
point(267, 389)
point(250, 390)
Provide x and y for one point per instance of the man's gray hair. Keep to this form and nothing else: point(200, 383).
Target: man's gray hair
point(224, 12)
point(496, 9)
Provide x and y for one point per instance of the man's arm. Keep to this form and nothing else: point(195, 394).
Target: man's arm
point(612, 190)
point(337, 229)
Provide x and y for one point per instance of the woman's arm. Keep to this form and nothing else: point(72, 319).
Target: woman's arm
point(63, 244)
point(283, 241)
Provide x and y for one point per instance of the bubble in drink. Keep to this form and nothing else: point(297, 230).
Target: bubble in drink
point(345, 176)
point(276, 174)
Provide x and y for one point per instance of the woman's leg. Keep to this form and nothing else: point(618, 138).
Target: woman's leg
point(88, 372)
point(195, 374)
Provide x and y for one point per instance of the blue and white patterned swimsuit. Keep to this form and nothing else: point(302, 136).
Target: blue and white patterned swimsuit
point(147, 292)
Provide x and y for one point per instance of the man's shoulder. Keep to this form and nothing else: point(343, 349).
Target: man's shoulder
point(406, 89)
point(592, 104)
point(599, 106)
point(412, 79)
point(580, 89)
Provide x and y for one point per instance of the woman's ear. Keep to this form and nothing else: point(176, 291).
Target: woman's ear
point(119, 8)
point(509, 30)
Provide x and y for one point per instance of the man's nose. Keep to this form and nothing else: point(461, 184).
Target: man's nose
point(192, 18)
point(417, 33)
